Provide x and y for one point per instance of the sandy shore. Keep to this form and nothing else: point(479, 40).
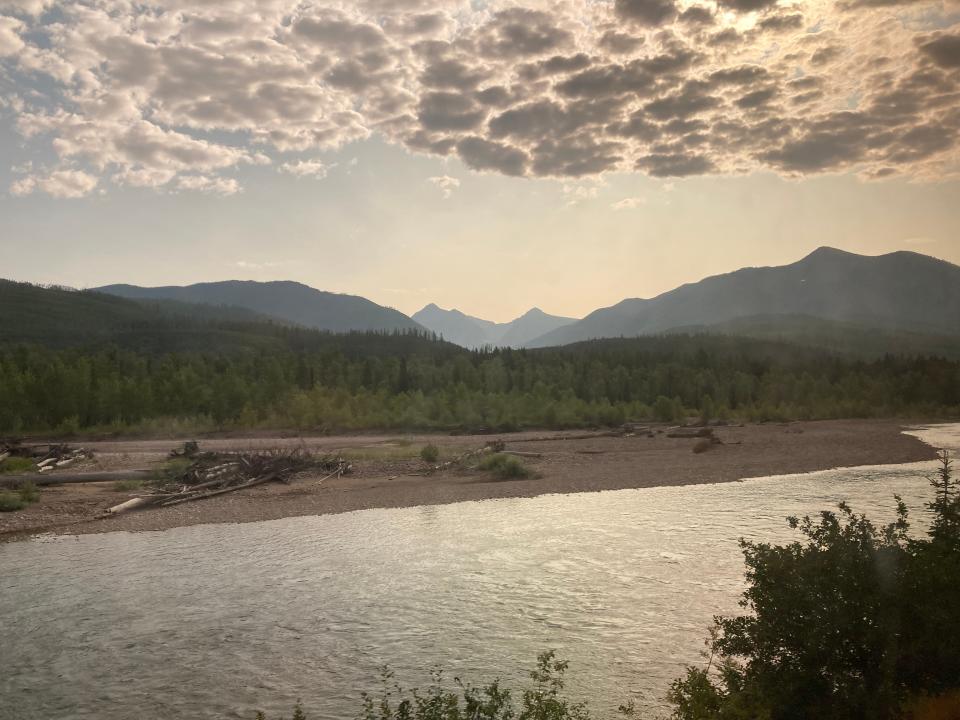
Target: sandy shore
point(385, 467)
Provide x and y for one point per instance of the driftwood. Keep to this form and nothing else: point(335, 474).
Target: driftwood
point(522, 454)
point(46, 457)
point(491, 447)
point(212, 474)
point(132, 504)
point(690, 433)
point(90, 476)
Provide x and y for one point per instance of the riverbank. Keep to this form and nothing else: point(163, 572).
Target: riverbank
point(387, 471)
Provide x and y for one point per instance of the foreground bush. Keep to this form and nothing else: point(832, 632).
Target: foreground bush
point(543, 700)
point(857, 623)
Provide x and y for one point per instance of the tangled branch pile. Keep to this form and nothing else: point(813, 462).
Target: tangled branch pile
point(45, 456)
point(208, 474)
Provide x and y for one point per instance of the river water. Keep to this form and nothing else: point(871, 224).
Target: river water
point(217, 621)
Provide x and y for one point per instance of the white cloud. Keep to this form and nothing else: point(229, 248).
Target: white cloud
point(10, 41)
point(59, 184)
point(629, 203)
point(446, 184)
point(306, 168)
point(208, 184)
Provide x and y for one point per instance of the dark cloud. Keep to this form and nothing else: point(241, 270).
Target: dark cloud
point(646, 12)
point(747, 5)
point(824, 56)
point(742, 75)
point(556, 65)
point(781, 23)
point(675, 164)
point(519, 32)
point(757, 98)
point(416, 24)
point(494, 96)
point(637, 126)
point(453, 75)
point(608, 80)
point(697, 15)
point(921, 142)
point(829, 144)
point(728, 37)
point(944, 50)
point(619, 43)
point(690, 101)
point(339, 34)
point(575, 157)
point(547, 118)
point(481, 154)
point(449, 111)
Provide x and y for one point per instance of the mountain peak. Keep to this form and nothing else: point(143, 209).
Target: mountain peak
point(827, 252)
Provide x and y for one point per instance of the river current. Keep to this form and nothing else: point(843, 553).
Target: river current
point(217, 621)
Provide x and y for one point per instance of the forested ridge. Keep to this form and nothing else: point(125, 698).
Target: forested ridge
point(407, 381)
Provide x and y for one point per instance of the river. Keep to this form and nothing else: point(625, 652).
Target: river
point(217, 621)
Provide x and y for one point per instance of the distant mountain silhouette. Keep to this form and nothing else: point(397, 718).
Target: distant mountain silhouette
point(284, 300)
point(532, 324)
point(472, 332)
point(897, 291)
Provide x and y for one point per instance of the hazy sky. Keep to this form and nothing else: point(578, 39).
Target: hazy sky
point(485, 156)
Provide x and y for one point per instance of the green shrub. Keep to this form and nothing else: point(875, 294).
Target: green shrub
point(11, 501)
point(29, 492)
point(544, 699)
point(172, 469)
point(506, 467)
point(16, 465)
point(429, 453)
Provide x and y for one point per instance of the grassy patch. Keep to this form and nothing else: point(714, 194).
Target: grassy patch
point(127, 485)
point(170, 470)
point(16, 465)
point(505, 467)
point(13, 500)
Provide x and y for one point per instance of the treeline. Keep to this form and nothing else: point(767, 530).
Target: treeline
point(366, 381)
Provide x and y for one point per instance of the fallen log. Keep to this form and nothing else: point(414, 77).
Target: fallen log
point(131, 504)
point(518, 453)
point(496, 446)
point(690, 433)
point(90, 476)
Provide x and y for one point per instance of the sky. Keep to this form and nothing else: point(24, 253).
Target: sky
point(488, 156)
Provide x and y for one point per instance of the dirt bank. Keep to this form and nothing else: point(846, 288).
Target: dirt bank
point(384, 468)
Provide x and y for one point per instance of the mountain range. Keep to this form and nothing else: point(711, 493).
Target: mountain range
point(473, 332)
point(900, 290)
point(282, 300)
point(831, 298)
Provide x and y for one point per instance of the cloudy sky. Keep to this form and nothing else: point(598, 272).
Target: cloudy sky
point(489, 156)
